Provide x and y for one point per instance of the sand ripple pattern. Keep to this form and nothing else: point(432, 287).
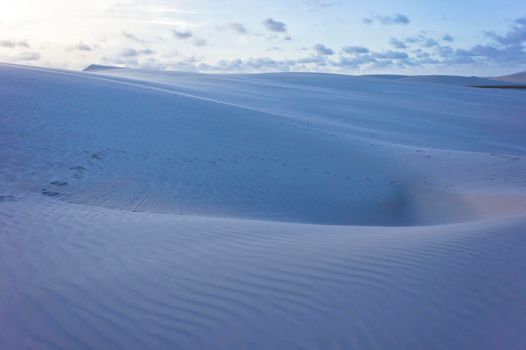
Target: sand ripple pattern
point(158, 281)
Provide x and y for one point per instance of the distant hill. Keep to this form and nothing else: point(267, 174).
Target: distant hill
point(97, 68)
point(513, 78)
point(431, 79)
point(440, 79)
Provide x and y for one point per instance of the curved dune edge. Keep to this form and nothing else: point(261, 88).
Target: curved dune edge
point(88, 277)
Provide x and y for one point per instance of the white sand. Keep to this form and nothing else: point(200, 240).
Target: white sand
point(155, 210)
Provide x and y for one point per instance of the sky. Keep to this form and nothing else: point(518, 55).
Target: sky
point(464, 37)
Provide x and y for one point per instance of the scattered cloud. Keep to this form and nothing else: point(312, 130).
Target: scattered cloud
point(235, 27)
point(135, 53)
point(397, 18)
point(263, 64)
point(355, 50)
point(413, 51)
point(133, 37)
point(514, 37)
point(13, 44)
point(199, 42)
point(27, 56)
point(323, 50)
point(393, 55)
point(397, 44)
point(186, 34)
point(182, 34)
point(84, 47)
point(419, 39)
point(504, 49)
point(319, 3)
point(419, 50)
point(430, 42)
point(275, 26)
point(448, 38)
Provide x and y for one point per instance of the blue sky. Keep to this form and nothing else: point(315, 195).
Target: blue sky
point(356, 37)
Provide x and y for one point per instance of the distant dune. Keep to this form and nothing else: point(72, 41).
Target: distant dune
point(513, 78)
point(98, 68)
point(436, 79)
point(144, 209)
point(444, 79)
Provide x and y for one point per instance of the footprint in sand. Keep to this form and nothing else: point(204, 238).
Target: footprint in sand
point(49, 193)
point(7, 198)
point(79, 170)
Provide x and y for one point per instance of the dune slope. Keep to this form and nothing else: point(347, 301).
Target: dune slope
point(165, 210)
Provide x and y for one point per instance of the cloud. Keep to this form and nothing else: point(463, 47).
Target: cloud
point(199, 42)
point(397, 18)
point(355, 50)
point(448, 38)
point(27, 56)
point(362, 57)
point(355, 62)
point(419, 50)
point(186, 34)
point(397, 44)
point(440, 50)
point(415, 39)
point(83, 47)
point(514, 37)
point(318, 3)
point(450, 56)
point(182, 34)
point(275, 26)
point(12, 44)
point(126, 61)
point(263, 64)
point(504, 49)
point(8, 43)
point(133, 37)
point(430, 42)
point(422, 39)
point(509, 54)
point(323, 50)
point(128, 52)
point(394, 55)
point(235, 27)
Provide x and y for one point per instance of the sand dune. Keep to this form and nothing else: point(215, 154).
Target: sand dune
point(513, 78)
point(444, 79)
point(166, 210)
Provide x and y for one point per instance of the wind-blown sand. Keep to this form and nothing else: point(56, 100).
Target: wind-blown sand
point(162, 210)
